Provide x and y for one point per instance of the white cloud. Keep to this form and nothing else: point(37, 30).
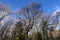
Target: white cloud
point(56, 9)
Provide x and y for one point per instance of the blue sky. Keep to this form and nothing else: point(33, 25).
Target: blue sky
point(47, 5)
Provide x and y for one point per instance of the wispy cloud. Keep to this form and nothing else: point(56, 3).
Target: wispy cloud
point(56, 9)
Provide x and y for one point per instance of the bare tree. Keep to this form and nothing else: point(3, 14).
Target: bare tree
point(4, 11)
point(53, 25)
point(49, 23)
point(29, 16)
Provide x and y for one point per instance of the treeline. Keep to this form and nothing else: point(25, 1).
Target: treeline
point(30, 16)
